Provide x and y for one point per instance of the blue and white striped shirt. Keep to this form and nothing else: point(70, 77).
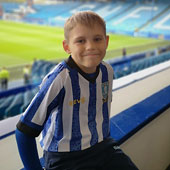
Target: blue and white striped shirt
point(71, 108)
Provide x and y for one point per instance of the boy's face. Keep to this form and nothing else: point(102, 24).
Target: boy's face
point(87, 45)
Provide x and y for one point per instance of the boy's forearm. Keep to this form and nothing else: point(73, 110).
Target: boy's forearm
point(28, 151)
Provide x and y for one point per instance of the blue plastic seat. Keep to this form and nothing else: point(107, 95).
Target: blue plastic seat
point(28, 95)
point(14, 107)
point(4, 105)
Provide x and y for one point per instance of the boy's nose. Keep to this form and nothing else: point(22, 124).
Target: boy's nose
point(90, 45)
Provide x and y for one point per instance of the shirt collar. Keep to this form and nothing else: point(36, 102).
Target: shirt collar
point(71, 63)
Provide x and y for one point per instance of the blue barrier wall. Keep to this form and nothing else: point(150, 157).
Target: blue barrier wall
point(128, 122)
point(17, 90)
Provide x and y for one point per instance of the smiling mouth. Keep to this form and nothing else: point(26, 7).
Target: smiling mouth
point(91, 54)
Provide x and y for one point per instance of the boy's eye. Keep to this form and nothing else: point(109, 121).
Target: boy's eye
point(80, 41)
point(98, 39)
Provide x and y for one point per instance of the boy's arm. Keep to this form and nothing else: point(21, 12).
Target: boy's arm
point(28, 151)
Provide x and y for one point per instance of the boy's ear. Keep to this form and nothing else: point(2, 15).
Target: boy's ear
point(107, 41)
point(66, 47)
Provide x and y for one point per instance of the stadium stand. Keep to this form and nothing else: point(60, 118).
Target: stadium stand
point(14, 101)
point(137, 18)
point(10, 7)
point(159, 27)
point(131, 20)
point(113, 9)
point(47, 14)
point(131, 64)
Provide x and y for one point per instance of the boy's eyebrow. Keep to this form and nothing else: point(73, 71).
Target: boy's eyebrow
point(99, 34)
point(80, 37)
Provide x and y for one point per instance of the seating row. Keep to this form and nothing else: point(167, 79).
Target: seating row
point(16, 103)
point(41, 68)
point(137, 65)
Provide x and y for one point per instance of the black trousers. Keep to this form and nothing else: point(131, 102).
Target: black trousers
point(99, 157)
point(4, 84)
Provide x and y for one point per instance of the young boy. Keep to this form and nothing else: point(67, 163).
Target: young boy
point(72, 107)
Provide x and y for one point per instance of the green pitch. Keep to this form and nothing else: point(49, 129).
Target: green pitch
point(20, 43)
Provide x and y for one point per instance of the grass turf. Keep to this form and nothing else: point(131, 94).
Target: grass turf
point(20, 43)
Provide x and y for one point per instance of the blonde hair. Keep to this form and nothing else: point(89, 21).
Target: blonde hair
point(87, 18)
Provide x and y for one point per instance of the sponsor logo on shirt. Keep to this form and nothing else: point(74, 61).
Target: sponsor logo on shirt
point(77, 101)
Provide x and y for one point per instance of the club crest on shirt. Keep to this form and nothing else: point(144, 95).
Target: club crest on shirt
point(105, 91)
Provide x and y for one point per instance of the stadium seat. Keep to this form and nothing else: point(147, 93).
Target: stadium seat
point(40, 69)
point(28, 95)
point(4, 105)
point(1, 100)
point(14, 108)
